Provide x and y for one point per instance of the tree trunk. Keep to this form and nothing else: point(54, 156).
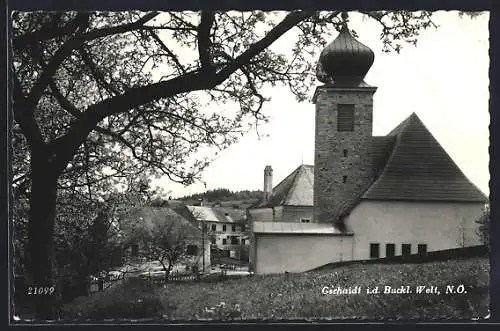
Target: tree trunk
point(40, 234)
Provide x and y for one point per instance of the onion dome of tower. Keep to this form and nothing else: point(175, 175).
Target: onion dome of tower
point(345, 61)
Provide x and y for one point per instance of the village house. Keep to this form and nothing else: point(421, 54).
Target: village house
point(225, 228)
point(290, 201)
point(366, 196)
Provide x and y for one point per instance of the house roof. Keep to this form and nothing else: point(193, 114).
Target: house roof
point(149, 217)
point(217, 214)
point(408, 164)
point(296, 228)
point(295, 190)
point(420, 169)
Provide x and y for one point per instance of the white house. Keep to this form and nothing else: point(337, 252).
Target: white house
point(224, 227)
point(366, 196)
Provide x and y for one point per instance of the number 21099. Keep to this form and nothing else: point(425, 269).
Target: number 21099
point(41, 290)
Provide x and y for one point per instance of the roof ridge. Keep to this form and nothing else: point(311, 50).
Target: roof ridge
point(297, 172)
point(449, 157)
point(401, 126)
point(405, 135)
point(284, 179)
point(279, 191)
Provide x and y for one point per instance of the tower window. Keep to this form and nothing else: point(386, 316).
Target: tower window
point(344, 179)
point(345, 117)
point(345, 152)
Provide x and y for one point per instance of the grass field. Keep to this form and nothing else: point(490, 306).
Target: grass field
point(299, 296)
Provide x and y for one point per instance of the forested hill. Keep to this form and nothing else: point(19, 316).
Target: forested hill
point(223, 194)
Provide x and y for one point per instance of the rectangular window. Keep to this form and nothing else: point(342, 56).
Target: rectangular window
point(422, 249)
point(374, 251)
point(345, 117)
point(224, 228)
point(406, 249)
point(345, 152)
point(234, 240)
point(233, 228)
point(305, 220)
point(390, 250)
point(224, 241)
point(344, 179)
point(243, 241)
point(214, 227)
point(192, 250)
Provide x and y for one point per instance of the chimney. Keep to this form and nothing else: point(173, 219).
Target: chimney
point(268, 182)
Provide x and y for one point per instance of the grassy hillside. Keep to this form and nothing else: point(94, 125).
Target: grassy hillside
point(299, 296)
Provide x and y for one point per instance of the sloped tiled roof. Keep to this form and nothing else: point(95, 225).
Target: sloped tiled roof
point(408, 164)
point(382, 147)
point(295, 190)
point(420, 169)
point(217, 214)
point(150, 216)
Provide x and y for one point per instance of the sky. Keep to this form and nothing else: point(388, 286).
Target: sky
point(444, 80)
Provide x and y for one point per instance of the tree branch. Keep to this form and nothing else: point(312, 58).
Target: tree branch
point(168, 51)
point(286, 24)
point(204, 43)
point(98, 76)
point(49, 32)
point(25, 117)
point(63, 101)
point(191, 81)
point(67, 48)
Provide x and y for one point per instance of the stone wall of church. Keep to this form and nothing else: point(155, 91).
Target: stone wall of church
point(343, 165)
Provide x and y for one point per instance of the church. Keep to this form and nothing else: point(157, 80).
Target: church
point(366, 196)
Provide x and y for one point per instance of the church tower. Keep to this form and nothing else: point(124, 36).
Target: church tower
point(344, 113)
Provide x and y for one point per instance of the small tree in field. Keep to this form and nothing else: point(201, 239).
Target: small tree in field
point(483, 222)
point(163, 236)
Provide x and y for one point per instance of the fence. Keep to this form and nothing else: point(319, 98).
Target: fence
point(235, 267)
point(171, 278)
point(99, 285)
